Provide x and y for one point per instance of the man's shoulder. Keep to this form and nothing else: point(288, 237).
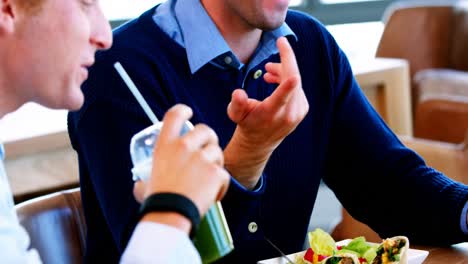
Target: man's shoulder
point(135, 27)
point(309, 30)
point(132, 34)
point(297, 19)
point(312, 35)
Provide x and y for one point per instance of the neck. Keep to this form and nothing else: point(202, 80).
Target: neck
point(8, 102)
point(241, 37)
point(9, 97)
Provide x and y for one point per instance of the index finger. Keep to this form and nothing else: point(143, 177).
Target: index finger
point(174, 120)
point(288, 58)
point(225, 180)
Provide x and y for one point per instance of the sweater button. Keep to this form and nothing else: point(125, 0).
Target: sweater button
point(253, 227)
point(227, 60)
point(257, 74)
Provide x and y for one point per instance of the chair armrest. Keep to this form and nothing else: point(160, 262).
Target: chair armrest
point(442, 118)
point(450, 159)
point(433, 83)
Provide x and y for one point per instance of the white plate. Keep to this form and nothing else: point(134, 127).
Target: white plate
point(415, 256)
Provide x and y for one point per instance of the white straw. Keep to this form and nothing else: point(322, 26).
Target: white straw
point(135, 92)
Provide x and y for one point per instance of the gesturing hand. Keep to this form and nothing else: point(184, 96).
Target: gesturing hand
point(262, 125)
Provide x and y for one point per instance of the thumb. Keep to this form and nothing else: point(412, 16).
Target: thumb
point(139, 191)
point(238, 107)
point(225, 180)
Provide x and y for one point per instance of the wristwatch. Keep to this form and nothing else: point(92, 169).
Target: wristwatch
point(172, 202)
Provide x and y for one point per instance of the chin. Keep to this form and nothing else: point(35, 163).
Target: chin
point(72, 101)
point(271, 25)
point(272, 22)
point(75, 103)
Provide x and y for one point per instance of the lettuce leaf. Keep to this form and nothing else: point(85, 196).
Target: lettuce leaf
point(358, 245)
point(321, 242)
point(361, 248)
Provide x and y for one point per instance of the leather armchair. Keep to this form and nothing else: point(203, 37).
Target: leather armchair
point(432, 36)
point(56, 226)
point(450, 159)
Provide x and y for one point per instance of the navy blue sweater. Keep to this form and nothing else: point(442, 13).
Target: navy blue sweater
point(342, 140)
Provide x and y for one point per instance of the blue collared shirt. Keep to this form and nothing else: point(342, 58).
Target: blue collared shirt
point(179, 19)
point(14, 241)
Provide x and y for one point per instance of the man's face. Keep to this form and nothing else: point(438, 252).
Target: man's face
point(53, 49)
point(263, 14)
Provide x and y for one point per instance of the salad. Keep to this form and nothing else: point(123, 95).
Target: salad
point(323, 250)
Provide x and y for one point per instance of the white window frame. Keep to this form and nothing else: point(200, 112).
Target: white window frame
point(346, 12)
point(329, 14)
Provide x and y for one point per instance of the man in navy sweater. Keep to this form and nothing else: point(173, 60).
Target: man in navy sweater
point(279, 141)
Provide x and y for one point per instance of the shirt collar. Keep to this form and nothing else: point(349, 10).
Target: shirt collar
point(267, 46)
point(206, 44)
point(202, 44)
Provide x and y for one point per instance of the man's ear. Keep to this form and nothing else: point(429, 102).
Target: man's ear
point(7, 17)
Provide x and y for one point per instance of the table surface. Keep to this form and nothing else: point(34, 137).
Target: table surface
point(457, 254)
point(366, 66)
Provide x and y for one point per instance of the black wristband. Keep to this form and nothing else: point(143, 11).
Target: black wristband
point(172, 202)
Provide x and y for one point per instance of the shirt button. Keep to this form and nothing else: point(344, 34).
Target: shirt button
point(257, 74)
point(228, 60)
point(253, 227)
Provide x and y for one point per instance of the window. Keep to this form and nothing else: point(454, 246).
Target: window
point(326, 2)
point(327, 11)
point(344, 11)
point(127, 9)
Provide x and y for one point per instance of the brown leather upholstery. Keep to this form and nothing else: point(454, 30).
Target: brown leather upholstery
point(56, 225)
point(442, 119)
point(430, 36)
point(459, 53)
point(420, 34)
point(451, 159)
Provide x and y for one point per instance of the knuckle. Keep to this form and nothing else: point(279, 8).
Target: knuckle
point(201, 156)
point(306, 107)
point(213, 135)
point(172, 113)
point(291, 119)
point(219, 150)
point(204, 154)
point(212, 169)
point(224, 175)
point(213, 151)
point(209, 131)
point(203, 128)
point(183, 144)
point(176, 111)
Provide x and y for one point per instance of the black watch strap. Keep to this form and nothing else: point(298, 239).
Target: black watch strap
point(172, 202)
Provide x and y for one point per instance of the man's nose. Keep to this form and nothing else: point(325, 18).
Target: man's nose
point(101, 35)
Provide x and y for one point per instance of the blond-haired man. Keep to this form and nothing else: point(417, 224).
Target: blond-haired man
point(46, 48)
